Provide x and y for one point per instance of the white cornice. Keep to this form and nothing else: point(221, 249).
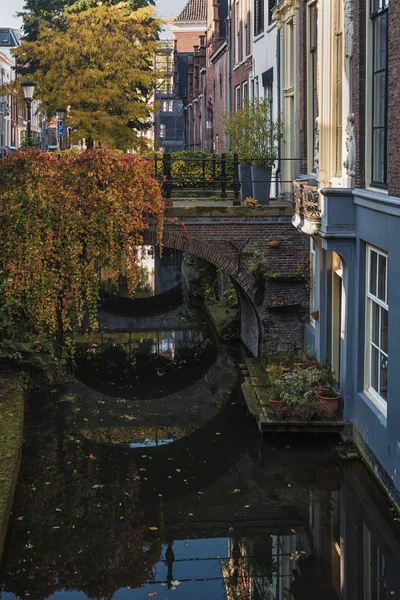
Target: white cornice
point(285, 10)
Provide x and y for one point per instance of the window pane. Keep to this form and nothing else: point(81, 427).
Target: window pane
point(372, 272)
point(379, 154)
point(380, 48)
point(384, 330)
point(374, 368)
point(383, 376)
point(379, 100)
point(382, 278)
point(375, 323)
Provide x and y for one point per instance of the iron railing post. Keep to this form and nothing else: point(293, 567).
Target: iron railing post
point(223, 176)
point(236, 181)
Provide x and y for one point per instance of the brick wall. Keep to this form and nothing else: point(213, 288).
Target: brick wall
point(394, 100)
point(217, 238)
point(217, 89)
point(186, 40)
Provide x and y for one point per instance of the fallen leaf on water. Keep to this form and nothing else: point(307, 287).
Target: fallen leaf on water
point(92, 457)
point(142, 469)
point(97, 486)
point(178, 470)
point(170, 459)
point(235, 491)
point(47, 483)
point(293, 530)
point(175, 582)
point(190, 514)
point(153, 528)
point(20, 518)
point(217, 433)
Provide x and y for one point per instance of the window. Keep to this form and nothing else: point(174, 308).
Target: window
point(338, 40)
point(313, 78)
point(237, 98)
point(237, 32)
point(258, 17)
point(269, 95)
point(167, 106)
point(162, 131)
point(5, 39)
point(377, 311)
point(271, 6)
point(245, 92)
point(379, 60)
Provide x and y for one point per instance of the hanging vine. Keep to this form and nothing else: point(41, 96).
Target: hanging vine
point(62, 217)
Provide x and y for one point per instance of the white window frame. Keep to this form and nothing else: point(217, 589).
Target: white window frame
point(370, 392)
point(237, 98)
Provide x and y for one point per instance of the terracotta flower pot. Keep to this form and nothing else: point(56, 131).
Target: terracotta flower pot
point(328, 398)
point(274, 244)
point(278, 406)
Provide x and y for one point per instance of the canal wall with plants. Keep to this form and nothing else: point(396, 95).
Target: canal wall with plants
point(11, 432)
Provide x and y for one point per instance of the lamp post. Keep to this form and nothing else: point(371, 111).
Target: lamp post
point(61, 112)
point(29, 90)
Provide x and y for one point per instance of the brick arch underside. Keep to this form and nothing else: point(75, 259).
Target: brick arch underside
point(250, 327)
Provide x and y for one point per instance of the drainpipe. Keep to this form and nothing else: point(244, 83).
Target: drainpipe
point(278, 89)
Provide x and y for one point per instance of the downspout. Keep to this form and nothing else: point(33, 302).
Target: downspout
point(278, 89)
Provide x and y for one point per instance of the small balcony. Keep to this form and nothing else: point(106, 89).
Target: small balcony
point(307, 206)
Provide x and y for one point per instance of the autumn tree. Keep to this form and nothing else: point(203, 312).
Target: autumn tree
point(99, 64)
point(38, 11)
point(61, 219)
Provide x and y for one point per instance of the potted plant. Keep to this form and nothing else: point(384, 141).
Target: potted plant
point(296, 391)
point(253, 136)
point(325, 393)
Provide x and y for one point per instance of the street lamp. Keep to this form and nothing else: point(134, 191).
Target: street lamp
point(29, 90)
point(61, 112)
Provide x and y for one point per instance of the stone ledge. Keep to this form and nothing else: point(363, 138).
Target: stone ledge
point(266, 212)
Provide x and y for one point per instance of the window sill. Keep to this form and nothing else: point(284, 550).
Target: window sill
point(259, 36)
point(375, 405)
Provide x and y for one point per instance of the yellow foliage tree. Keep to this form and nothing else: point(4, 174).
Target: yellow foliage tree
point(99, 64)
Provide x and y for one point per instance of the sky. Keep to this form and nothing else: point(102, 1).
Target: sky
point(8, 8)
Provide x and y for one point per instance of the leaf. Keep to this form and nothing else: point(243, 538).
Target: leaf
point(153, 528)
point(235, 491)
point(97, 486)
point(178, 470)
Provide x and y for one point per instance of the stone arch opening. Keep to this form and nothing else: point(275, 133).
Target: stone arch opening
point(250, 326)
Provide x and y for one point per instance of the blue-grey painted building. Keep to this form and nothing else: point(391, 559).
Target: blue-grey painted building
point(347, 199)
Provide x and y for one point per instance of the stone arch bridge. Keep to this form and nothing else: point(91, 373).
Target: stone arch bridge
point(273, 309)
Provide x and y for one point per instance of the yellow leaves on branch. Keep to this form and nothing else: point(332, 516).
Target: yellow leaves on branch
point(99, 63)
point(64, 217)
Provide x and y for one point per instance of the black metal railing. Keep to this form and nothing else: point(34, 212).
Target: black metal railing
point(215, 175)
point(212, 173)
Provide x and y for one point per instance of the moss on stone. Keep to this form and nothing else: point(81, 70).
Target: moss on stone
point(11, 431)
point(220, 314)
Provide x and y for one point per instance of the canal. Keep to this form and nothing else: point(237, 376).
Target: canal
point(144, 477)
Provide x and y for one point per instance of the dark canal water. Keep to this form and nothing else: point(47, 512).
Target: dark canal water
point(145, 478)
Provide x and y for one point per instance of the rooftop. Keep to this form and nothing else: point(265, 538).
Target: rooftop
point(195, 10)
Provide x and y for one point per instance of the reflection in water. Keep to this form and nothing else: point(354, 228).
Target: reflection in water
point(258, 521)
point(157, 273)
point(145, 364)
point(155, 484)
